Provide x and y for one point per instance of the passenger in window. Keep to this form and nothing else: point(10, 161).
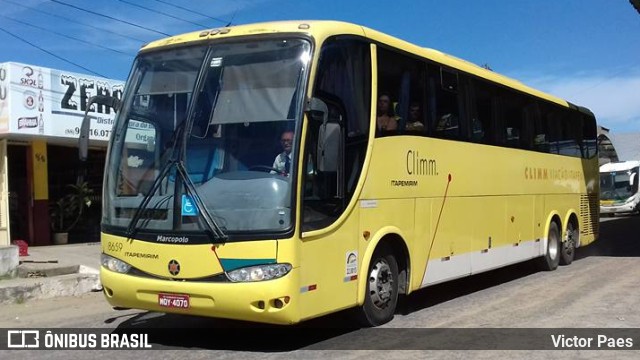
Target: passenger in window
point(540, 142)
point(447, 122)
point(282, 162)
point(414, 123)
point(447, 126)
point(386, 120)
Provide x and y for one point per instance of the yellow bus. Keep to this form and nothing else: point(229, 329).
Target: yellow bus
point(278, 172)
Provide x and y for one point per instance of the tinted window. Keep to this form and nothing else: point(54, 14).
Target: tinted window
point(401, 94)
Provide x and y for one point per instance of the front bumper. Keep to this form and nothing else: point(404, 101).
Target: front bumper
point(618, 209)
point(264, 301)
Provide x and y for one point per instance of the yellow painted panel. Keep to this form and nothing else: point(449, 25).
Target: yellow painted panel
point(40, 174)
point(450, 236)
point(423, 238)
point(487, 221)
point(325, 276)
point(195, 260)
point(520, 218)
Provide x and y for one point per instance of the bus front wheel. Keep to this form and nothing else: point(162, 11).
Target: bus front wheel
point(551, 258)
point(381, 296)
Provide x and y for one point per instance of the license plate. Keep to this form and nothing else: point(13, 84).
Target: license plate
point(173, 301)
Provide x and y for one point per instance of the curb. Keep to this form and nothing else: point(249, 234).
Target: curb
point(17, 291)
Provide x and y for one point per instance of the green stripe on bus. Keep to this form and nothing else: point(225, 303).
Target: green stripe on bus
point(232, 264)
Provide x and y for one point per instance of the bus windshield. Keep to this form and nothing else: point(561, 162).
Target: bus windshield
point(224, 115)
point(618, 185)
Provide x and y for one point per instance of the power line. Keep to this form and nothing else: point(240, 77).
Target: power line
point(109, 17)
point(50, 53)
point(163, 13)
point(73, 21)
point(607, 79)
point(193, 12)
point(65, 36)
point(232, 17)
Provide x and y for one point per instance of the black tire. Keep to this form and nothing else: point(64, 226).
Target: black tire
point(568, 249)
point(381, 297)
point(551, 258)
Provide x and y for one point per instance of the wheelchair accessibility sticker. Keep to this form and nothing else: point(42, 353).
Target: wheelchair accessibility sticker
point(188, 207)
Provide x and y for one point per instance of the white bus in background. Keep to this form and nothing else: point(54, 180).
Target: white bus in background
point(619, 188)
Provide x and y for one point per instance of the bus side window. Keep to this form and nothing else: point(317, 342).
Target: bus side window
point(481, 113)
point(589, 136)
point(477, 130)
point(402, 79)
point(553, 127)
point(540, 129)
point(446, 123)
point(571, 134)
point(516, 133)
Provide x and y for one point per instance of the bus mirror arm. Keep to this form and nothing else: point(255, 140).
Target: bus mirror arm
point(83, 140)
point(317, 110)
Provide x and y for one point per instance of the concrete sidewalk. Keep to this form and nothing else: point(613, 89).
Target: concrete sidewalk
point(52, 271)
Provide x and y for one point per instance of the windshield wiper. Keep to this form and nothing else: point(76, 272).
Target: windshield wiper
point(131, 229)
point(213, 228)
point(171, 157)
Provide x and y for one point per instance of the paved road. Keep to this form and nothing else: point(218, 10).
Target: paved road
point(601, 289)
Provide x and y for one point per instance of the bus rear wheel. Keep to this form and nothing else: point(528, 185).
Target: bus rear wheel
point(569, 245)
point(381, 297)
point(551, 258)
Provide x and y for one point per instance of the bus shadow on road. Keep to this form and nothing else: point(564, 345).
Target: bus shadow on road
point(333, 331)
point(174, 331)
point(440, 293)
point(618, 238)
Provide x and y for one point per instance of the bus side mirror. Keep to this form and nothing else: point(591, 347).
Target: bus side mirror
point(317, 110)
point(83, 141)
point(632, 178)
point(329, 147)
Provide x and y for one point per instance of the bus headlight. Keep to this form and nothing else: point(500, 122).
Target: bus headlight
point(259, 273)
point(114, 264)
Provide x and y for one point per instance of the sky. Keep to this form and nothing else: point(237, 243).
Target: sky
point(585, 51)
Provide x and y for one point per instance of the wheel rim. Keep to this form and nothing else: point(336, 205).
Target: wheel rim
point(570, 243)
point(553, 245)
point(381, 284)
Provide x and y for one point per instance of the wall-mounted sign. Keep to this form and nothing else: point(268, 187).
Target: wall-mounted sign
point(41, 101)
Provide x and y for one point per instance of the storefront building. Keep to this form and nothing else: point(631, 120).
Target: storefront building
point(41, 110)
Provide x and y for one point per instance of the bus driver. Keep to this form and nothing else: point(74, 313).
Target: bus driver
point(282, 162)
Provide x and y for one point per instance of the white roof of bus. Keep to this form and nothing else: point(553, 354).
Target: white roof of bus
point(619, 166)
